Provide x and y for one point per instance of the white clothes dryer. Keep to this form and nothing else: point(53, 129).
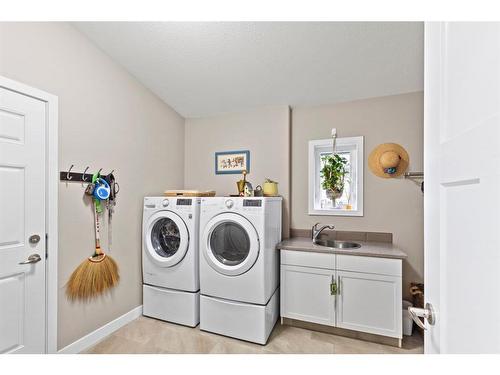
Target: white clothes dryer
point(239, 266)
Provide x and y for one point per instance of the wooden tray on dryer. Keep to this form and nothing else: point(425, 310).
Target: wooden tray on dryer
point(189, 193)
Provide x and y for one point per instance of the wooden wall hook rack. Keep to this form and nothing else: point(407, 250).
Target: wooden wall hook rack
point(70, 176)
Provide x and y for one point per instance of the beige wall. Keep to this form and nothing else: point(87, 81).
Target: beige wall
point(394, 205)
point(106, 119)
point(265, 132)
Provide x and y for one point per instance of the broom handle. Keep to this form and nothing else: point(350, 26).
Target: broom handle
point(98, 250)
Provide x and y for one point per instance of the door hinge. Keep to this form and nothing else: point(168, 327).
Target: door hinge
point(46, 245)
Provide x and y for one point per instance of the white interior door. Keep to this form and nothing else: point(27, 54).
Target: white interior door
point(22, 218)
point(462, 186)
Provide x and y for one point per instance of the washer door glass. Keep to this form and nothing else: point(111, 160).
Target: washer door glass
point(230, 243)
point(165, 237)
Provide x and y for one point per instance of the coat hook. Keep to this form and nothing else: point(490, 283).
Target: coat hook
point(111, 172)
point(84, 173)
point(99, 172)
point(67, 174)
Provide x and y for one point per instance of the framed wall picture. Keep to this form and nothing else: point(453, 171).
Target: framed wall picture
point(232, 162)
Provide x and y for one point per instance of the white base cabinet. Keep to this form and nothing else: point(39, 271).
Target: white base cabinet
point(345, 291)
point(369, 303)
point(298, 299)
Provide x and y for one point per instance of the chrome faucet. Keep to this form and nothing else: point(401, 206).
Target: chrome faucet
point(315, 232)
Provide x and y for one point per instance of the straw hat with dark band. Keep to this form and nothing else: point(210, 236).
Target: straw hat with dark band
point(388, 160)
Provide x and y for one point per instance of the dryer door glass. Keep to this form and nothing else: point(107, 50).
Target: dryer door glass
point(165, 237)
point(230, 243)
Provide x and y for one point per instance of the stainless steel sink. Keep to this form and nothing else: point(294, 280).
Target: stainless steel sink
point(338, 244)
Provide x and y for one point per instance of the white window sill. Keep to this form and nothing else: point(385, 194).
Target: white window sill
point(333, 212)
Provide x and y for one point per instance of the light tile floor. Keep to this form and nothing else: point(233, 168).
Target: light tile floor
point(145, 335)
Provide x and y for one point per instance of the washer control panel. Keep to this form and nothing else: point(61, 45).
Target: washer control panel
point(238, 204)
point(252, 203)
point(162, 203)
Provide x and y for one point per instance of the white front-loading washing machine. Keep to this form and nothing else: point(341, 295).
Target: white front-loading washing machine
point(170, 259)
point(239, 266)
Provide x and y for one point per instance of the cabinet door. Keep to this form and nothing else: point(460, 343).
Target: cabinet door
point(306, 294)
point(369, 303)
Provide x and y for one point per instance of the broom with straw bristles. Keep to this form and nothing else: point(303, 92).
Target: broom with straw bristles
point(96, 274)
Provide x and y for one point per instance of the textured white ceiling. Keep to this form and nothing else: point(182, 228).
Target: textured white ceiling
point(202, 69)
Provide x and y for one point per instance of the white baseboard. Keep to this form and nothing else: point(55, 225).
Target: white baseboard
point(94, 337)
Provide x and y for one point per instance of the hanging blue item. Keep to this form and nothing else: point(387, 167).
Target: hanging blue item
point(102, 189)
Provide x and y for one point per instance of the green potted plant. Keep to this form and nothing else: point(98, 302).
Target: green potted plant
point(334, 173)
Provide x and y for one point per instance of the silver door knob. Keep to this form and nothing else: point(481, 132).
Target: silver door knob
point(427, 313)
point(33, 258)
point(34, 239)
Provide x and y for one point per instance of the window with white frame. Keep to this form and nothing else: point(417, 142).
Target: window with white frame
point(350, 203)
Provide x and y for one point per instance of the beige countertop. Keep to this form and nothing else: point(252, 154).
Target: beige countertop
point(369, 249)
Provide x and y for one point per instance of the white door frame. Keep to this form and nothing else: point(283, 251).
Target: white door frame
point(51, 203)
